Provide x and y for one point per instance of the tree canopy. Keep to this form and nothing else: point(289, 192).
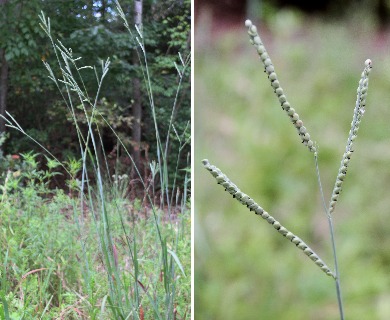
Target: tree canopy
point(94, 32)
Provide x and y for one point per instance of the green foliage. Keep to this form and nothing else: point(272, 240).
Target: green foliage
point(19, 29)
point(74, 166)
point(44, 271)
point(41, 255)
point(95, 35)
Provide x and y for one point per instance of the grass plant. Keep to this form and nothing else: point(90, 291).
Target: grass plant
point(306, 139)
point(91, 253)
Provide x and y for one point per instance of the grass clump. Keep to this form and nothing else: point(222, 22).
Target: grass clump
point(90, 251)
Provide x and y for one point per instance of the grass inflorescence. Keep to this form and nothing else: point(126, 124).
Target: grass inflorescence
point(357, 116)
point(244, 199)
point(306, 140)
point(269, 69)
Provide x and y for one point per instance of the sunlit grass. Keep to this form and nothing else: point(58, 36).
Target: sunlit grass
point(95, 252)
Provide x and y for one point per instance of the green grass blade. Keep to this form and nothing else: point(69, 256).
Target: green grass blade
point(177, 260)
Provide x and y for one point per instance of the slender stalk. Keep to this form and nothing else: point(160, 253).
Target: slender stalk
point(332, 237)
point(319, 180)
point(336, 268)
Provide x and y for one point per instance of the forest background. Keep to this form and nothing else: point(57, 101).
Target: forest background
point(94, 32)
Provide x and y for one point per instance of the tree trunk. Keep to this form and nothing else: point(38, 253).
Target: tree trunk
point(103, 11)
point(3, 88)
point(137, 105)
point(3, 78)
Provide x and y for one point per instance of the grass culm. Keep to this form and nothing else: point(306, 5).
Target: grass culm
point(126, 264)
point(310, 144)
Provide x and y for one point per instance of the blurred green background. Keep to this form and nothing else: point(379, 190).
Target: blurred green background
point(243, 268)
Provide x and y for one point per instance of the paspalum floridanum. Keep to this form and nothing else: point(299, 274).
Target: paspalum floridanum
point(244, 199)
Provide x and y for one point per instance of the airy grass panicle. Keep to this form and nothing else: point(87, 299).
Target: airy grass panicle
point(243, 198)
point(270, 71)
